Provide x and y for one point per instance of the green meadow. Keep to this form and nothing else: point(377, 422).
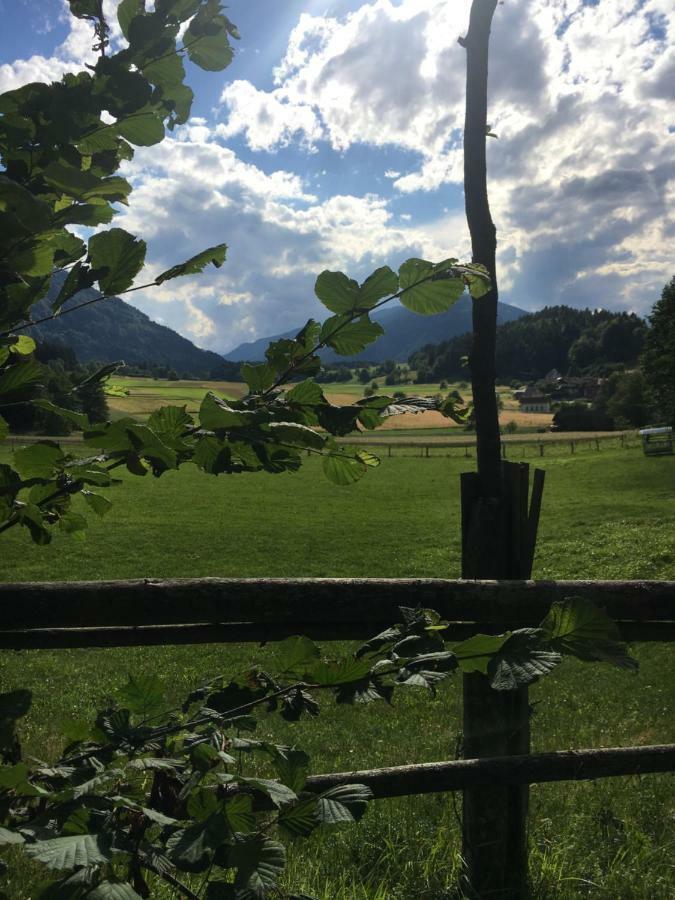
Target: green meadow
point(605, 515)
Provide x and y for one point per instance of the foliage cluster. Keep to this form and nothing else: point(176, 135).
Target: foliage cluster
point(60, 154)
point(149, 793)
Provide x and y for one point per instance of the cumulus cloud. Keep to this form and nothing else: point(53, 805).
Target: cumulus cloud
point(192, 191)
point(580, 96)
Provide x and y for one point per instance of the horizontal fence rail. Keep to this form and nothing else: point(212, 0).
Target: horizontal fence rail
point(213, 610)
point(531, 768)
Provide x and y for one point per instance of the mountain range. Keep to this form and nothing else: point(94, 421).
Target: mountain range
point(114, 330)
point(404, 333)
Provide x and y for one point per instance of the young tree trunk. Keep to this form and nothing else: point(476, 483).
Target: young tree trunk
point(494, 527)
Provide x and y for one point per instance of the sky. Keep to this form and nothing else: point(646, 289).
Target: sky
point(334, 140)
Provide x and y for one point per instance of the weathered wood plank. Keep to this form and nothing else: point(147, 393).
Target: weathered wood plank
point(530, 768)
point(355, 605)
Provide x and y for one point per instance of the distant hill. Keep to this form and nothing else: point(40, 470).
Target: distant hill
point(404, 333)
point(556, 337)
point(113, 330)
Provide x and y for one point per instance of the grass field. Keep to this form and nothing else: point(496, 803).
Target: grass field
point(147, 394)
point(605, 515)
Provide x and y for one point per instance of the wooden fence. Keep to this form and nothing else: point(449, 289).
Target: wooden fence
point(210, 610)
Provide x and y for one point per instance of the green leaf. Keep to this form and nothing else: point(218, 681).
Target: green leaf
point(520, 661)
point(120, 255)
point(291, 766)
point(113, 890)
point(382, 283)
point(169, 424)
point(4, 429)
point(431, 296)
point(207, 40)
point(188, 847)
point(214, 255)
point(478, 279)
point(128, 10)
point(337, 292)
point(143, 695)
point(296, 435)
point(239, 813)
point(80, 420)
point(343, 804)
point(141, 128)
point(258, 377)
point(216, 414)
point(344, 465)
point(78, 278)
point(100, 504)
point(341, 672)
point(349, 338)
point(16, 379)
point(295, 653)
point(202, 803)
point(305, 393)
point(475, 653)
point(259, 861)
point(342, 295)
point(277, 792)
point(580, 629)
point(23, 345)
point(300, 819)
point(40, 460)
point(73, 850)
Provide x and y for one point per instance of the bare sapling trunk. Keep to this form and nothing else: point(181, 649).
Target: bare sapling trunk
point(498, 533)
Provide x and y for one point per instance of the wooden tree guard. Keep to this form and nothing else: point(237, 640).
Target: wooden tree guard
point(499, 538)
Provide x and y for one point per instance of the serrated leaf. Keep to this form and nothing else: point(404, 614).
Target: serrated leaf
point(343, 804)
point(430, 296)
point(73, 850)
point(207, 40)
point(291, 766)
point(143, 695)
point(19, 378)
point(100, 504)
point(214, 255)
point(188, 847)
point(300, 819)
point(341, 672)
point(343, 466)
point(382, 283)
point(128, 10)
point(295, 653)
point(40, 460)
point(259, 861)
point(239, 813)
point(119, 255)
point(296, 435)
point(337, 292)
point(349, 338)
point(475, 653)
point(216, 414)
point(305, 393)
point(520, 661)
point(80, 420)
point(278, 793)
point(258, 377)
point(579, 628)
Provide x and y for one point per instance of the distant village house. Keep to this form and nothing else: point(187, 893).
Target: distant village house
point(531, 399)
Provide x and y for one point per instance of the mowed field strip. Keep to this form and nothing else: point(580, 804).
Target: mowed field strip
point(605, 515)
point(147, 394)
